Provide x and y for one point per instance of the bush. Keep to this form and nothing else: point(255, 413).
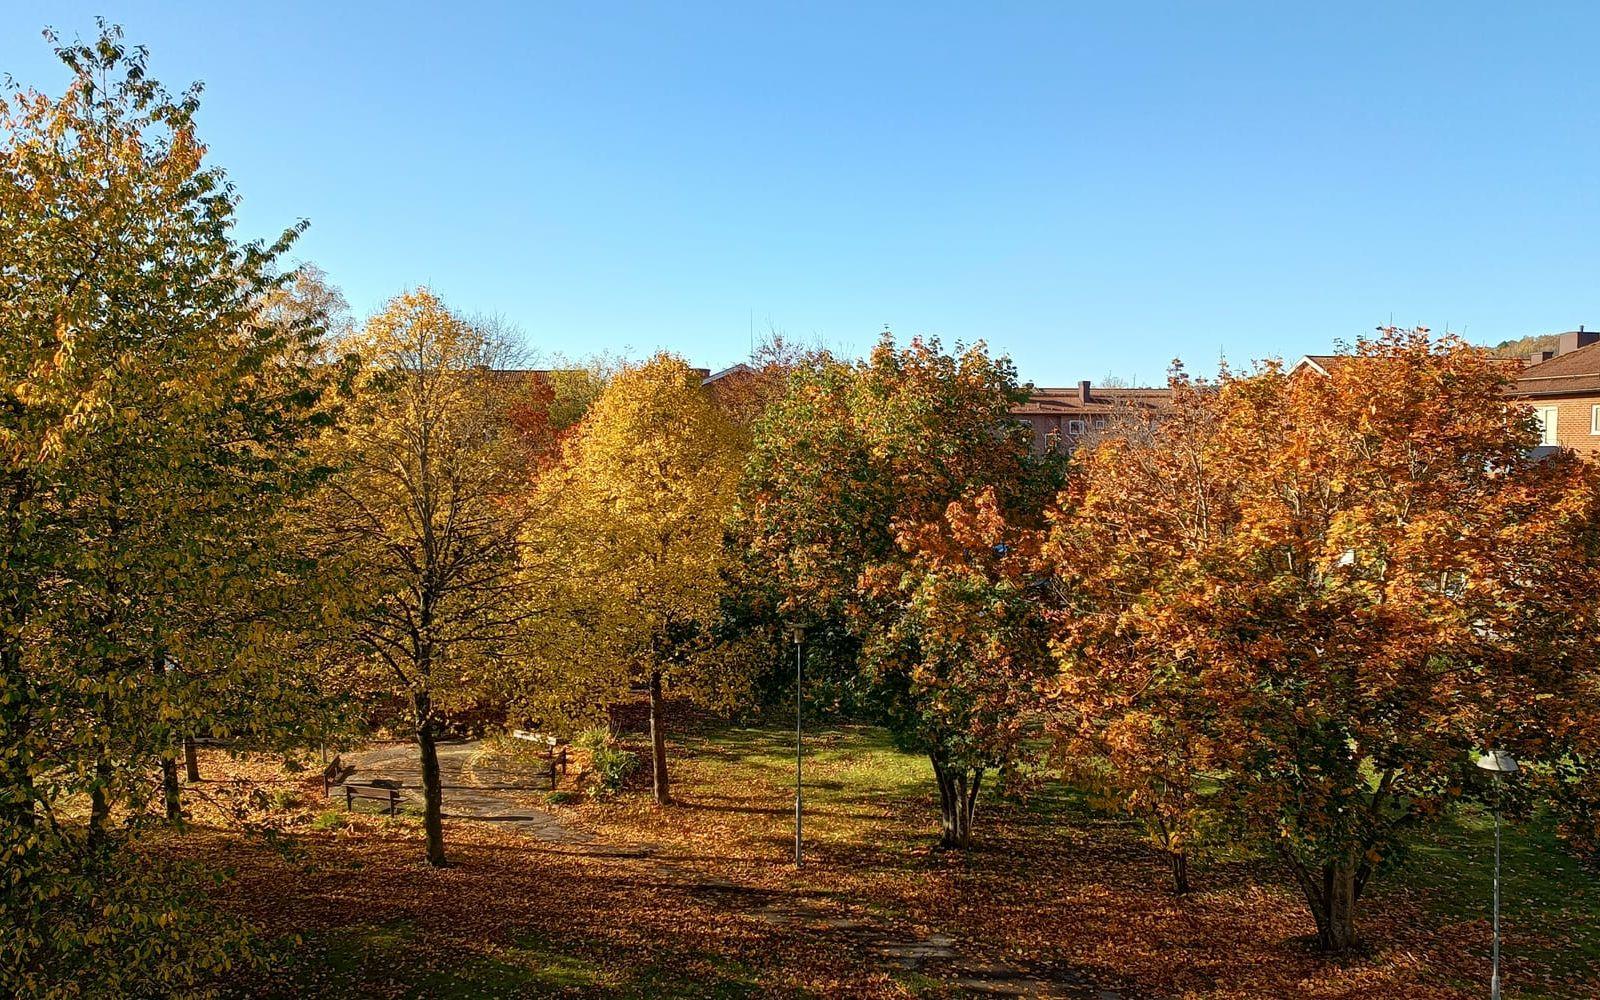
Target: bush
point(283, 799)
point(111, 920)
point(562, 797)
point(331, 819)
point(611, 765)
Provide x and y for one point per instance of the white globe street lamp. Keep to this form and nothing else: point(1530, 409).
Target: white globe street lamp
point(1502, 765)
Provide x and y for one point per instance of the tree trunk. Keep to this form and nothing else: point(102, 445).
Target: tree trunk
point(169, 764)
point(169, 789)
point(1180, 872)
point(958, 800)
point(1332, 893)
point(100, 801)
point(658, 743)
point(432, 793)
point(191, 763)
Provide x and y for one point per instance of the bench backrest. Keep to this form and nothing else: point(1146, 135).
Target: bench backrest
point(551, 741)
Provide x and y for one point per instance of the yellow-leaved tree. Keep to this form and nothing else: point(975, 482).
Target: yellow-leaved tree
point(419, 515)
point(625, 537)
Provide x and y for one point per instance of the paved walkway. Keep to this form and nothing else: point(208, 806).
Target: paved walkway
point(477, 792)
point(488, 794)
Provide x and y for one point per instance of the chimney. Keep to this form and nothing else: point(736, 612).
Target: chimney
point(1538, 356)
point(1083, 391)
point(1574, 339)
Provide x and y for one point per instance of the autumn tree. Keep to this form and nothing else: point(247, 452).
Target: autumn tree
point(418, 517)
point(1330, 591)
point(1135, 729)
point(958, 661)
point(867, 487)
point(153, 431)
point(625, 542)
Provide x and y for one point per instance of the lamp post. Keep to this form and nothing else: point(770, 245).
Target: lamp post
point(1502, 765)
point(797, 633)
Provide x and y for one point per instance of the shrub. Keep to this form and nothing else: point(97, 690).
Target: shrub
point(110, 920)
point(562, 797)
point(283, 798)
point(591, 739)
point(611, 765)
point(331, 819)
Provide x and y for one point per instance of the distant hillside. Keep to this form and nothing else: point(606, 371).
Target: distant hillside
point(1524, 346)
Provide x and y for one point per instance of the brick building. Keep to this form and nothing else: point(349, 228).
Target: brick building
point(1061, 418)
point(1563, 387)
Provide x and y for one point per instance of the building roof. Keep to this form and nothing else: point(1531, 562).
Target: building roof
point(1070, 401)
point(1322, 364)
point(1575, 373)
point(1326, 364)
point(736, 369)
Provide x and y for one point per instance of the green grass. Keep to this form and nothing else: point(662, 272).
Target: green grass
point(329, 819)
point(1545, 893)
point(1549, 901)
point(917, 983)
point(859, 761)
point(357, 960)
point(531, 967)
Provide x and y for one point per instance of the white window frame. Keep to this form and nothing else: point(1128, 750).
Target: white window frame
point(1594, 419)
point(1549, 425)
point(1076, 427)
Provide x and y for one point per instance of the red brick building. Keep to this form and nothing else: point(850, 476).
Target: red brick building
point(1061, 418)
point(1563, 387)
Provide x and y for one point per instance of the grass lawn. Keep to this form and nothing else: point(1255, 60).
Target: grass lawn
point(1549, 905)
point(701, 899)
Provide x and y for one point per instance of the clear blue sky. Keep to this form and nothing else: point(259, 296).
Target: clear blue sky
point(1093, 189)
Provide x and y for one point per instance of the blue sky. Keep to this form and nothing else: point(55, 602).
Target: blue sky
point(1094, 189)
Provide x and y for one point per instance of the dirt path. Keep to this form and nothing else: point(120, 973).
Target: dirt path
point(486, 794)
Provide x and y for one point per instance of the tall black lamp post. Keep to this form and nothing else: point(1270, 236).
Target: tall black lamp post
point(1502, 765)
point(797, 634)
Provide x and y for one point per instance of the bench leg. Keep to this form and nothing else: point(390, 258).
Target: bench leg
point(349, 799)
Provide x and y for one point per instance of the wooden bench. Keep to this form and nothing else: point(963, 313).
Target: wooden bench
point(554, 749)
point(334, 774)
point(386, 793)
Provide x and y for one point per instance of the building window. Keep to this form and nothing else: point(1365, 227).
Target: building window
point(1547, 424)
point(1594, 419)
point(1075, 427)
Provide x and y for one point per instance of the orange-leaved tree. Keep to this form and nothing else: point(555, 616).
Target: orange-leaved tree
point(1131, 725)
point(959, 660)
point(864, 509)
point(1327, 590)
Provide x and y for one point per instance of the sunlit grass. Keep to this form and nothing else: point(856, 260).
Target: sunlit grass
point(1549, 903)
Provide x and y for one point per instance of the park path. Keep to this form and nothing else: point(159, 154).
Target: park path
point(471, 791)
point(490, 795)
